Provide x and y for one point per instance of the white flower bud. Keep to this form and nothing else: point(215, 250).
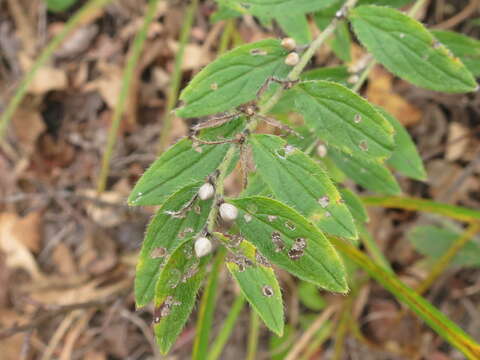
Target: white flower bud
point(292, 59)
point(206, 191)
point(203, 246)
point(289, 44)
point(228, 212)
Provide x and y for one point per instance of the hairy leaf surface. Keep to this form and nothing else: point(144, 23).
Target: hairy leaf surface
point(233, 79)
point(279, 232)
point(345, 120)
point(370, 175)
point(181, 165)
point(405, 158)
point(409, 50)
point(164, 233)
point(465, 47)
point(176, 292)
point(257, 282)
point(301, 183)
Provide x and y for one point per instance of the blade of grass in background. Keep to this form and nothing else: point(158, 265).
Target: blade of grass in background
point(127, 78)
point(226, 330)
point(46, 54)
point(253, 332)
point(207, 309)
point(443, 326)
point(176, 77)
point(444, 261)
point(417, 204)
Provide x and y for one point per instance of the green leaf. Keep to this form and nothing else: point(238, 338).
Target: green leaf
point(176, 292)
point(338, 74)
point(405, 158)
point(290, 241)
point(256, 186)
point(233, 79)
point(345, 120)
point(355, 205)
point(466, 48)
point(406, 48)
point(274, 8)
point(301, 183)
point(295, 26)
point(177, 167)
point(434, 241)
point(370, 175)
point(341, 42)
point(181, 165)
point(59, 5)
point(257, 282)
point(391, 3)
point(310, 297)
point(164, 233)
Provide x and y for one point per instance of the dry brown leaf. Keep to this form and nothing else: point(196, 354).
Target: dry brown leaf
point(380, 92)
point(46, 79)
point(28, 125)
point(11, 347)
point(14, 232)
point(106, 216)
point(109, 84)
point(457, 141)
point(63, 258)
point(78, 42)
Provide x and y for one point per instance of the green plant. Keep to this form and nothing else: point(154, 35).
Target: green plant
point(291, 213)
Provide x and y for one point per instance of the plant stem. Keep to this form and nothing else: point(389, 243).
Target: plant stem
point(342, 328)
point(373, 249)
point(176, 77)
point(308, 54)
point(226, 330)
point(127, 79)
point(207, 307)
point(442, 263)
point(46, 54)
point(253, 332)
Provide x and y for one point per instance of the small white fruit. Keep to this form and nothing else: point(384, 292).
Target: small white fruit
point(289, 44)
point(206, 191)
point(203, 246)
point(228, 212)
point(292, 59)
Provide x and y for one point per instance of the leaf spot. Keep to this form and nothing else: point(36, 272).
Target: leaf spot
point(324, 201)
point(258, 52)
point(267, 291)
point(158, 252)
point(278, 242)
point(363, 145)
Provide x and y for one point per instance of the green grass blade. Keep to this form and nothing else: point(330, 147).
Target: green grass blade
point(226, 330)
point(207, 308)
point(127, 78)
point(70, 26)
point(252, 343)
point(442, 325)
point(417, 204)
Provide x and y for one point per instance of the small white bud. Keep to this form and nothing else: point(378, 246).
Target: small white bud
point(203, 246)
point(289, 44)
point(292, 59)
point(206, 191)
point(322, 150)
point(228, 212)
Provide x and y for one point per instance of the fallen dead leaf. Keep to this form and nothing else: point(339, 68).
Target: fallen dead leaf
point(63, 258)
point(380, 92)
point(28, 126)
point(14, 232)
point(457, 141)
point(107, 216)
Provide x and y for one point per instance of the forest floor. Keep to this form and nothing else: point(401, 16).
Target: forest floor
point(67, 255)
